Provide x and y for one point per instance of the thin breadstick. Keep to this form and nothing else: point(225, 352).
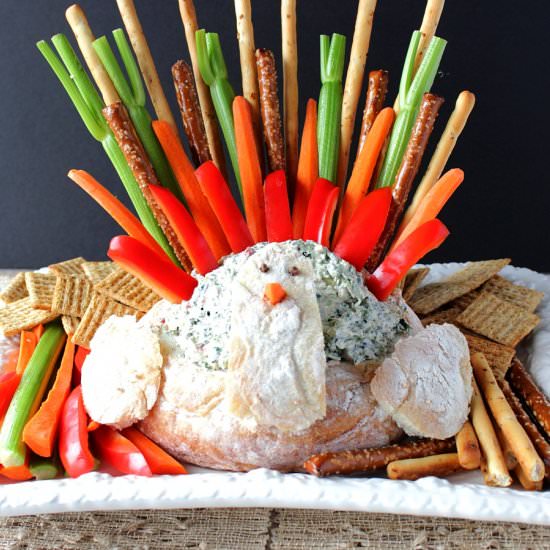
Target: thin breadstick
point(354, 81)
point(526, 483)
point(493, 464)
point(515, 435)
point(467, 447)
point(290, 87)
point(415, 468)
point(189, 20)
point(134, 29)
point(509, 455)
point(84, 36)
point(376, 95)
point(457, 121)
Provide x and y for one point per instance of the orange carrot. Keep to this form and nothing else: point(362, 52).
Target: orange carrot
point(40, 431)
point(114, 208)
point(364, 166)
point(38, 332)
point(26, 349)
point(274, 293)
point(308, 169)
point(432, 203)
point(10, 362)
point(250, 170)
point(185, 175)
point(17, 473)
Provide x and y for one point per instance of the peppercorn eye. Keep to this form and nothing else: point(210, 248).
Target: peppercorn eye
point(264, 268)
point(294, 271)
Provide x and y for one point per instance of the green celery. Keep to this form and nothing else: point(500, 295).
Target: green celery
point(45, 468)
point(28, 395)
point(333, 52)
point(411, 91)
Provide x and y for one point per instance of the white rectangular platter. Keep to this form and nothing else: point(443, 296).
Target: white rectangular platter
point(461, 496)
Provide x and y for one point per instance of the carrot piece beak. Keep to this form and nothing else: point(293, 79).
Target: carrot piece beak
point(274, 293)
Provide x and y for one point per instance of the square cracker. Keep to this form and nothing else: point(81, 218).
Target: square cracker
point(20, 315)
point(521, 296)
point(71, 267)
point(412, 281)
point(70, 324)
point(431, 297)
point(498, 320)
point(72, 296)
point(15, 290)
point(41, 287)
point(97, 271)
point(498, 356)
point(441, 316)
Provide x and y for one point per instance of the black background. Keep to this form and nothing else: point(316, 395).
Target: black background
point(498, 49)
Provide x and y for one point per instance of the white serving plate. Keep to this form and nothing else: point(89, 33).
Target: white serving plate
point(461, 496)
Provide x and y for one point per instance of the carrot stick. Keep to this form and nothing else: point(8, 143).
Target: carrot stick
point(41, 430)
point(17, 473)
point(364, 167)
point(432, 203)
point(308, 169)
point(249, 168)
point(114, 208)
point(38, 331)
point(26, 349)
point(185, 175)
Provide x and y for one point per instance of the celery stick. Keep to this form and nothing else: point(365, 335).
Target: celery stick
point(29, 394)
point(45, 468)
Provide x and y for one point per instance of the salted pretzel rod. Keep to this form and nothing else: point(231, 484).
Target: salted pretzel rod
point(493, 464)
point(125, 134)
point(189, 20)
point(290, 87)
point(145, 61)
point(467, 447)
point(269, 103)
point(441, 465)
point(84, 36)
point(354, 82)
point(455, 125)
point(377, 90)
point(518, 441)
point(368, 460)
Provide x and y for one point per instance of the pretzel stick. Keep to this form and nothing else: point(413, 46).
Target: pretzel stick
point(415, 468)
point(125, 134)
point(456, 123)
point(515, 435)
point(189, 19)
point(354, 82)
point(188, 102)
point(290, 87)
point(524, 385)
point(367, 460)
point(84, 36)
point(527, 483)
point(493, 465)
point(271, 116)
point(467, 447)
point(376, 95)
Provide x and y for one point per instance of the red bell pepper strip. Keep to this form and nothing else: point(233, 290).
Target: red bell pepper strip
point(74, 449)
point(320, 212)
point(80, 356)
point(186, 230)
point(119, 452)
point(277, 208)
point(155, 271)
point(363, 230)
point(396, 264)
point(224, 206)
point(158, 460)
point(8, 384)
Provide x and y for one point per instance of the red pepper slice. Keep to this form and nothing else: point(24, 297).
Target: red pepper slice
point(74, 449)
point(80, 356)
point(8, 384)
point(362, 232)
point(119, 452)
point(223, 204)
point(156, 272)
point(158, 460)
point(277, 208)
point(396, 264)
point(186, 230)
point(320, 212)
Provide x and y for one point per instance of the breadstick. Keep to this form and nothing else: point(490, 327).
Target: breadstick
point(515, 435)
point(467, 447)
point(508, 453)
point(271, 116)
point(492, 463)
point(84, 36)
point(125, 134)
point(524, 385)
point(527, 483)
point(376, 95)
point(457, 121)
point(354, 81)
point(290, 87)
point(415, 468)
point(368, 460)
point(189, 19)
point(188, 102)
point(145, 61)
